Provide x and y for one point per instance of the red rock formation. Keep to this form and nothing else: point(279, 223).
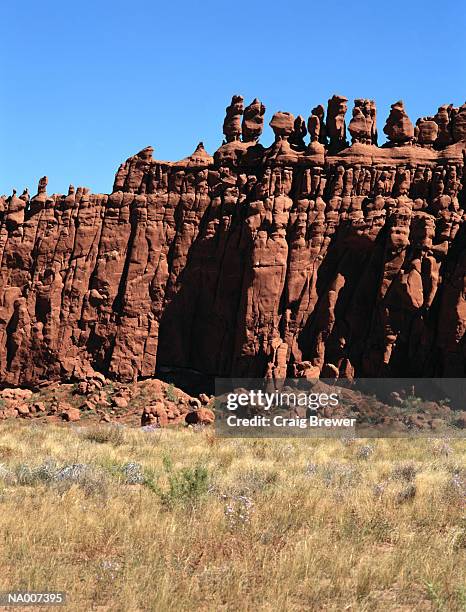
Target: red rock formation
point(253, 121)
point(399, 128)
point(232, 123)
point(336, 126)
point(362, 126)
point(256, 261)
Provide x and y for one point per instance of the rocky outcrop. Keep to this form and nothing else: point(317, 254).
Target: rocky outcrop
point(300, 258)
point(150, 402)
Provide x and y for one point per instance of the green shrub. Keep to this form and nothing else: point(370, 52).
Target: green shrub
point(411, 404)
point(186, 486)
point(171, 393)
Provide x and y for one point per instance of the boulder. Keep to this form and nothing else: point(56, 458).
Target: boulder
point(202, 416)
point(70, 414)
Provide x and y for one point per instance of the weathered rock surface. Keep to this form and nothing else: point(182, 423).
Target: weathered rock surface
point(299, 258)
point(147, 402)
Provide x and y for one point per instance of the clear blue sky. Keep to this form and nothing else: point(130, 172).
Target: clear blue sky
point(88, 83)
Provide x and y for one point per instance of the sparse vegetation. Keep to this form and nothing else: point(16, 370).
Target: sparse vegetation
point(171, 393)
point(109, 388)
point(411, 405)
point(101, 434)
point(182, 520)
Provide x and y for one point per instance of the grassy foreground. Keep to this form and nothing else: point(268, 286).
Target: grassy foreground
point(128, 520)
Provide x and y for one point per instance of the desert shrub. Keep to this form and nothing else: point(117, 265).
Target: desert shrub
point(411, 404)
point(455, 487)
point(133, 473)
point(92, 480)
point(404, 471)
point(72, 473)
point(238, 510)
point(32, 475)
point(171, 393)
point(364, 452)
point(186, 486)
point(109, 434)
point(408, 493)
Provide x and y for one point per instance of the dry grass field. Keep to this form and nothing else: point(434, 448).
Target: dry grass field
point(179, 520)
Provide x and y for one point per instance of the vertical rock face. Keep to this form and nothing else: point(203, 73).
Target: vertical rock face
point(301, 258)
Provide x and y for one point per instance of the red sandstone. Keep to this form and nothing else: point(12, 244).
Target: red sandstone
point(299, 259)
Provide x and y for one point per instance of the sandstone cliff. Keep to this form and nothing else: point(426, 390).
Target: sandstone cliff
point(309, 256)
